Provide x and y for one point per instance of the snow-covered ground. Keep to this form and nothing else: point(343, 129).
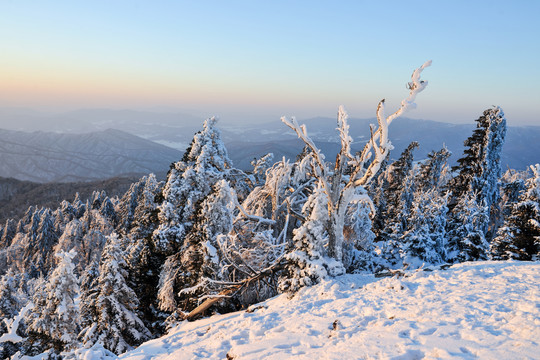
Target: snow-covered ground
point(484, 310)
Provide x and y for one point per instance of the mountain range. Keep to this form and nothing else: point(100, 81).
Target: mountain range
point(54, 157)
point(90, 145)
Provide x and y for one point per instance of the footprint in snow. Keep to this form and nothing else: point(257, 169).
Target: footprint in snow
point(404, 334)
point(428, 331)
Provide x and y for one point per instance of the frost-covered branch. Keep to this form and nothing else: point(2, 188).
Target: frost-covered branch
point(317, 154)
point(340, 187)
point(253, 217)
point(379, 141)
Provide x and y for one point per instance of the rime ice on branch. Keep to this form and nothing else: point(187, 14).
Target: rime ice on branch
point(341, 188)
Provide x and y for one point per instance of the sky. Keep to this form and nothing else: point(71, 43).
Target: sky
point(259, 60)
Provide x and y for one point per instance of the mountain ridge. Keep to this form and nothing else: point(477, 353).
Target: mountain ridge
point(61, 157)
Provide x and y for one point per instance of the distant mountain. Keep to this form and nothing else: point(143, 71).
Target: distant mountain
point(17, 195)
point(521, 149)
point(244, 142)
point(52, 157)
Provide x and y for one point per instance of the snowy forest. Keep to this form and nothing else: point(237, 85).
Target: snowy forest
point(116, 272)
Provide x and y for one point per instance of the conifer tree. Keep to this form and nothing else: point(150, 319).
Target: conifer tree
point(424, 241)
point(200, 265)
point(55, 315)
point(467, 241)
point(429, 175)
point(479, 170)
point(306, 263)
point(519, 237)
point(117, 327)
point(10, 304)
point(9, 232)
point(89, 291)
point(260, 166)
point(398, 195)
point(358, 247)
point(188, 182)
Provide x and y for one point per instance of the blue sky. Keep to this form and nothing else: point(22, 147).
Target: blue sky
point(263, 59)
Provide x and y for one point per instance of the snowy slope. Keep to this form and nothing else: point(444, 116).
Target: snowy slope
point(486, 310)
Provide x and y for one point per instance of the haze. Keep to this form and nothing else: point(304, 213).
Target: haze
point(252, 61)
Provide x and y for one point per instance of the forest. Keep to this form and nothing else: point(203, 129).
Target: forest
point(211, 238)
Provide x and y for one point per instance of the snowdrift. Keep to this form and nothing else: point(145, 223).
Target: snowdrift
point(487, 310)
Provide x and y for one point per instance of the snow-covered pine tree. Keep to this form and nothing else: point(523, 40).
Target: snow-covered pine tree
point(56, 319)
point(79, 206)
point(358, 246)
point(519, 237)
point(202, 264)
point(7, 237)
point(10, 304)
point(137, 220)
point(306, 263)
point(88, 299)
point(429, 175)
point(117, 327)
point(479, 170)
point(72, 239)
point(36, 240)
point(260, 166)
point(512, 188)
point(107, 210)
point(188, 182)
point(467, 241)
point(398, 194)
point(376, 191)
point(9, 232)
point(96, 228)
point(424, 241)
point(137, 209)
point(45, 241)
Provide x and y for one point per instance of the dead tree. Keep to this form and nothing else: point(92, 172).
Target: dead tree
point(351, 174)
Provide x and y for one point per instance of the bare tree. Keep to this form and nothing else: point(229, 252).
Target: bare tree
point(351, 174)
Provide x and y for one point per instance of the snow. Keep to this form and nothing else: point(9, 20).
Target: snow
point(487, 310)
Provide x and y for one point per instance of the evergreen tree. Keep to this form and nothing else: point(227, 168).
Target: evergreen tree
point(9, 232)
point(137, 207)
point(467, 241)
point(72, 239)
point(429, 175)
point(10, 304)
point(95, 228)
point(260, 166)
point(200, 262)
point(307, 263)
point(188, 182)
point(45, 240)
point(117, 327)
point(479, 170)
point(89, 291)
point(138, 220)
point(519, 238)
point(358, 246)
point(108, 212)
point(55, 315)
point(398, 195)
point(424, 242)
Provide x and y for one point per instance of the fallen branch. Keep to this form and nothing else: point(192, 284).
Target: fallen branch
point(232, 289)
